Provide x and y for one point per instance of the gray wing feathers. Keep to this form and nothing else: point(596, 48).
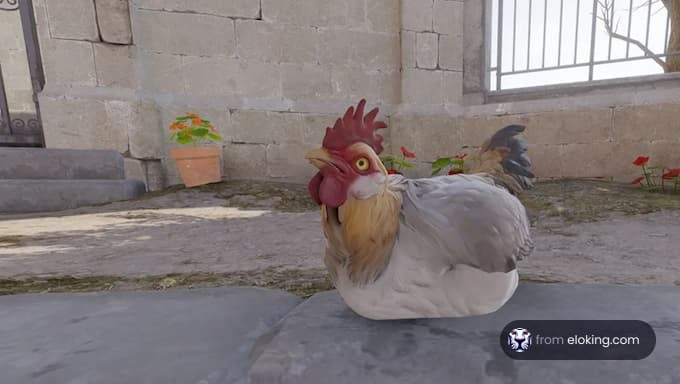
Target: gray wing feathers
point(467, 221)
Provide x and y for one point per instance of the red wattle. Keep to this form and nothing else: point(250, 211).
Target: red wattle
point(313, 187)
point(332, 191)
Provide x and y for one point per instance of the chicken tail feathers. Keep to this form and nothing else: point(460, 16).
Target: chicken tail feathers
point(504, 158)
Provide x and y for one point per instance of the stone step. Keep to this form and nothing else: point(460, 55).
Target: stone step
point(70, 164)
point(24, 196)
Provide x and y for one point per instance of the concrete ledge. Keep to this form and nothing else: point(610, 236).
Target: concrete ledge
point(23, 196)
point(40, 163)
point(322, 341)
point(178, 336)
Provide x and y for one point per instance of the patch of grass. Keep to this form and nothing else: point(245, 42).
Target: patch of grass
point(300, 282)
point(577, 200)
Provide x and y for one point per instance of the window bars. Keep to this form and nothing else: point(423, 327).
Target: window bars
point(542, 42)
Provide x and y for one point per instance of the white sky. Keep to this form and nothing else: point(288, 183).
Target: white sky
point(570, 52)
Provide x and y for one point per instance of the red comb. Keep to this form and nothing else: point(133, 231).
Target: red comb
point(354, 127)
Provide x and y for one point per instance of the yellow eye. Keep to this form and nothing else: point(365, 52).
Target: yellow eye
point(362, 164)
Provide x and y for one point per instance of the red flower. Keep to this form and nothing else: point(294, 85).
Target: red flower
point(455, 171)
point(671, 174)
point(393, 172)
point(464, 155)
point(641, 160)
point(406, 153)
point(637, 180)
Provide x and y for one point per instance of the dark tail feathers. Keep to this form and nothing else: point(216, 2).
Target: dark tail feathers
point(512, 148)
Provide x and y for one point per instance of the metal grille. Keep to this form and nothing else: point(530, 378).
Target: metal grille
point(541, 42)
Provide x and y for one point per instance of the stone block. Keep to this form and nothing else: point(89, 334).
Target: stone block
point(376, 86)
point(474, 49)
point(314, 127)
point(451, 52)
point(266, 127)
point(73, 19)
point(155, 177)
point(286, 161)
point(249, 9)
point(317, 13)
point(245, 161)
point(220, 76)
point(81, 124)
point(115, 65)
point(113, 18)
point(359, 49)
point(134, 169)
point(145, 132)
point(69, 62)
point(161, 73)
point(258, 40)
point(417, 15)
point(448, 17)
point(305, 81)
point(383, 15)
point(408, 49)
point(421, 86)
point(453, 87)
point(184, 33)
point(646, 123)
point(427, 46)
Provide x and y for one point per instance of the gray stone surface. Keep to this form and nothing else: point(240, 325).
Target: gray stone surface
point(33, 163)
point(24, 195)
point(181, 336)
point(322, 341)
point(113, 18)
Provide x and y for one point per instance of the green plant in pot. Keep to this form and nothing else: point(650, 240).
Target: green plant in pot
point(198, 157)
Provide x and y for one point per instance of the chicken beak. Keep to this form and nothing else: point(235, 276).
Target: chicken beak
point(319, 157)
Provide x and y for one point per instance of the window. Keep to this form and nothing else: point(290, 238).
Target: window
point(545, 42)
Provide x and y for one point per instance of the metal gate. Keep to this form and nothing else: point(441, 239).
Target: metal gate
point(21, 129)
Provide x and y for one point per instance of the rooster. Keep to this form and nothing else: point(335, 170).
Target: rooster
point(399, 248)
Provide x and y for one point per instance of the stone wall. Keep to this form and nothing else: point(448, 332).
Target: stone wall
point(272, 74)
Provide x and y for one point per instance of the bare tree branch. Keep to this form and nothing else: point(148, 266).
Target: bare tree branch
point(606, 8)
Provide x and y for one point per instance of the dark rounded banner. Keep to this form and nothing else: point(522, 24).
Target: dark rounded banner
point(578, 340)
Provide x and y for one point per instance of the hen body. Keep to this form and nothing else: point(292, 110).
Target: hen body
point(454, 254)
point(447, 246)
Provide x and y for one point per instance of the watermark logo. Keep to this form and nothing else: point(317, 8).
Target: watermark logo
point(519, 339)
point(577, 339)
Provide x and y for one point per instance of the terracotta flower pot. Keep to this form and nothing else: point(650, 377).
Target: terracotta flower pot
point(198, 165)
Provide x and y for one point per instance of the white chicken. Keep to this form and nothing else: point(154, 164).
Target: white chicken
point(399, 248)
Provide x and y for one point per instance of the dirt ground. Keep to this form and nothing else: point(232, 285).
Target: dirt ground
point(267, 234)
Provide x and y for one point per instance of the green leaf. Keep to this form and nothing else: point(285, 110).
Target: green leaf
point(182, 119)
point(200, 132)
point(184, 139)
point(214, 136)
point(457, 161)
point(436, 171)
point(441, 162)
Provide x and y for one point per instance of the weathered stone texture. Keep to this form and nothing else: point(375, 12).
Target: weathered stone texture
point(115, 65)
point(161, 73)
point(448, 17)
point(257, 40)
point(184, 33)
point(113, 18)
point(82, 124)
point(134, 169)
point(417, 15)
point(427, 50)
point(286, 161)
point(305, 81)
point(420, 86)
point(219, 76)
point(245, 161)
point(73, 19)
point(359, 49)
point(451, 52)
point(226, 8)
point(69, 62)
point(408, 49)
point(348, 14)
point(383, 15)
